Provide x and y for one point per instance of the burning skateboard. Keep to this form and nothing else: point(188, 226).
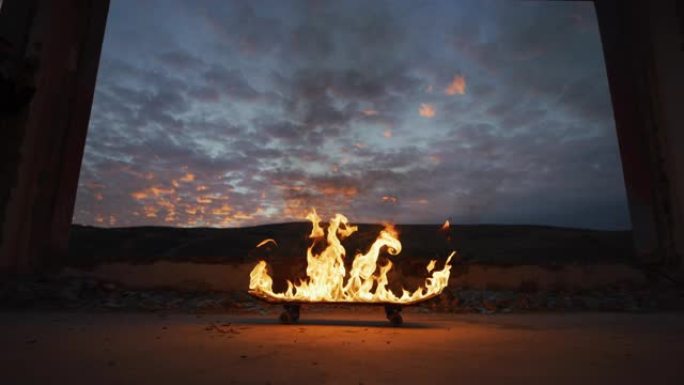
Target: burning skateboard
point(329, 282)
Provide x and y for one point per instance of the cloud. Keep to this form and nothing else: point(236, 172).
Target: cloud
point(426, 110)
point(230, 82)
point(180, 60)
point(389, 199)
point(237, 25)
point(456, 87)
point(240, 113)
point(188, 177)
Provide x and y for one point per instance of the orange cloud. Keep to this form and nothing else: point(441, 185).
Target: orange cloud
point(204, 199)
point(223, 210)
point(390, 199)
point(295, 187)
point(369, 112)
point(387, 133)
point(457, 86)
point(188, 177)
point(139, 195)
point(295, 208)
point(150, 211)
point(348, 191)
point(170, 210)
point(241, 215)
point(155, 191)
point(193, 210)
point(426, 110)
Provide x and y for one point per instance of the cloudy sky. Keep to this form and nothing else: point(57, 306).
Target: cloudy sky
point(233, 113)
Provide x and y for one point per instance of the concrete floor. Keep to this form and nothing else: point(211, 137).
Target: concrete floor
point(341, 347)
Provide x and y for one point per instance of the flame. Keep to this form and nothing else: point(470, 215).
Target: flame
point(326, 271)
point(267, 241)
point(446, 225)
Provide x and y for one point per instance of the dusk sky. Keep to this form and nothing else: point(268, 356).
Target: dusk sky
point(234, 113)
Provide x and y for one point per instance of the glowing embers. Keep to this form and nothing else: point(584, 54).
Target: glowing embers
point(327, 279)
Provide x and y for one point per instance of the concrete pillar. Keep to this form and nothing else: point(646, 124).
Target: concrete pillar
point(643, 45)
point(49, 54)
point(666, 20)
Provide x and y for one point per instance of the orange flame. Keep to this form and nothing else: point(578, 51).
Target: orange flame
point(446, 225)
point(267, 241)
point(326, 271)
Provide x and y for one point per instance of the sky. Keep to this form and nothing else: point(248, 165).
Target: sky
point(238, 113)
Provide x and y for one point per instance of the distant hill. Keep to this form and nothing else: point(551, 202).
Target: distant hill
point(497, 244)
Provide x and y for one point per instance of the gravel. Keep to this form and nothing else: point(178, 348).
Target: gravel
point(61, 293)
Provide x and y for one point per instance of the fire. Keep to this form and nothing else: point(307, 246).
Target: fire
point(446, 225)
point(365, 282)
point(266, 242)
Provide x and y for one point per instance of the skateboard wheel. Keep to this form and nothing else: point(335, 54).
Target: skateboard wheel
point(290, 315)
point(393, 313)
point(287, 318)
point(395, 319)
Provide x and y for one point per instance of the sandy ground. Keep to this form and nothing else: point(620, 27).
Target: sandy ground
point(335, 346)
